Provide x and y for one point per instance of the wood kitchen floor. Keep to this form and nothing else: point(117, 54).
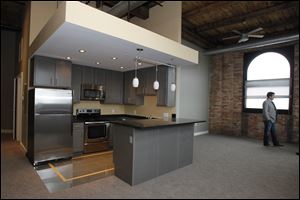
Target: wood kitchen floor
point(81, 169)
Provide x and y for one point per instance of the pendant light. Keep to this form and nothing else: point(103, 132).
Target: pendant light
point(135, 81)
point(155, 83)
point(173, 85)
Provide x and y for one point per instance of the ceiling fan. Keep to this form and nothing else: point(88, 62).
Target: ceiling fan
point(245, 36)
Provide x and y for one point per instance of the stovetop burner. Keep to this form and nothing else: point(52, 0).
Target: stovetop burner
point(88, 114)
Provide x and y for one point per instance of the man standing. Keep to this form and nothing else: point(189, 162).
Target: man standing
point(270, 117)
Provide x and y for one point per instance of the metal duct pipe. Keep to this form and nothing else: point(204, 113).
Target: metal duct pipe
point(121, 8)
point(262, 43)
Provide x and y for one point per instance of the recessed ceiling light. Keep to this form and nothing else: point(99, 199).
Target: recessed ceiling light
point(68, 58)
point(82, 51)
point(98, 63)
point(122, 67)
point(140, 63)
point(114, 58)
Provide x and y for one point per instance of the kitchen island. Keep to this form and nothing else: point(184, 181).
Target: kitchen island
point(147, 148)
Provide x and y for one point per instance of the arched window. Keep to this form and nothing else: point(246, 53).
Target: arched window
point(268, 71)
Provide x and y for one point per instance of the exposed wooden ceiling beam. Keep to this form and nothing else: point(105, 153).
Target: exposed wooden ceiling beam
point(188, 34)
point(193, 38)
point(141, 12)
point(207, 8)
point(237, 19)
point(200, 36)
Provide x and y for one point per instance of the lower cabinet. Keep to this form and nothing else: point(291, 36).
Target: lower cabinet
point(78, 137)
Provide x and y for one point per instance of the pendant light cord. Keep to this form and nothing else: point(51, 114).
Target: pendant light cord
point(156, 73)
point(135, 67)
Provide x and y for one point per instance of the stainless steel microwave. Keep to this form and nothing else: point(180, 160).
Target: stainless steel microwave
point(92, 92)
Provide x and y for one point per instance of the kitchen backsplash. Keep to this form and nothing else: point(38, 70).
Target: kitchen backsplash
point(149, 108)
point(105, 108)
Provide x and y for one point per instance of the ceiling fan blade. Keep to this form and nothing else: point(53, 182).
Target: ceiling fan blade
point(256, 36)
point(255, 30)
point(243, 39)
point(237, 32)
point(231, 37)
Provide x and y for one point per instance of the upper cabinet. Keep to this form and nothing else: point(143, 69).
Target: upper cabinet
point(50, 72)
point(130, 93)
point(146, 78)
point(166, 76)
point(114, 87)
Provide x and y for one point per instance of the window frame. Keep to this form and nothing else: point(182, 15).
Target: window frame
point(288, 53)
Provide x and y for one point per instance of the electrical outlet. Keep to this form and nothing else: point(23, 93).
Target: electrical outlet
point(113, 111)
point(134, 112)
point(166, 115)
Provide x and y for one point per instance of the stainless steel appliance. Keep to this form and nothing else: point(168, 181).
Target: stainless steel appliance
point(96, 131)
point(49, 124)
point(92, 92)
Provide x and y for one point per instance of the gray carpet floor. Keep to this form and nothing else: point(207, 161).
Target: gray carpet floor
point(223, 167)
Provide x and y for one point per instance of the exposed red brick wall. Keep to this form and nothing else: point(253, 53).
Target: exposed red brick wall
point(226, 101)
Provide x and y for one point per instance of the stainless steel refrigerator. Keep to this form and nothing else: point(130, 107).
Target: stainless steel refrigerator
point(49, 124)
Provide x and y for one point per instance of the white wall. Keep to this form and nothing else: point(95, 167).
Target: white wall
point(41, 12)
point(193, 90)
point(165, 20)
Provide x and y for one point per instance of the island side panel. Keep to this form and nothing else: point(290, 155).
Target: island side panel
point(185, 146)
point(122, 151)
point(167, 149)
point(145, 155)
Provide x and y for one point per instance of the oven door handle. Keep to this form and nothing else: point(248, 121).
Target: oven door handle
point(95, 123)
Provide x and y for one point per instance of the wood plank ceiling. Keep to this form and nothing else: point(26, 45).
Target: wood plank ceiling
point(207, 23)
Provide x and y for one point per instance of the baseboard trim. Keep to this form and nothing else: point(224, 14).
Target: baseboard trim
point(200, 133)
point(23, 147)
point(5, 131)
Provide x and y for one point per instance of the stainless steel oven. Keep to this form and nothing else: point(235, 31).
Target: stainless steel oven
point(96, 136)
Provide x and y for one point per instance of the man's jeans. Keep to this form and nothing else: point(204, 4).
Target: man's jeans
point(270, 128)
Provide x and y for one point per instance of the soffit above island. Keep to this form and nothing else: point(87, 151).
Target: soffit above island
point(76, 26)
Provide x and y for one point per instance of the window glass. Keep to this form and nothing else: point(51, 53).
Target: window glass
point(268, 72)
point(268, 65)
point(280, 103)
point(262, 91)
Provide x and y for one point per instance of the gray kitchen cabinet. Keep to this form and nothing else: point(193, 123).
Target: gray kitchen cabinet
point(78, 137)
point(93, 76)
point(150, 78)
point(87, 75)
point(141, 154)
point(113, 87)
point(63, 71)
point(166, 76)
point(99, 76)
point(130, 93)
point(50, 72)
point(76, 83)
point(141, 75)
point(146, 78)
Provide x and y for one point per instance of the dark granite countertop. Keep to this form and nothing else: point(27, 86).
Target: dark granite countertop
point(112, 117)
point(153, 123)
